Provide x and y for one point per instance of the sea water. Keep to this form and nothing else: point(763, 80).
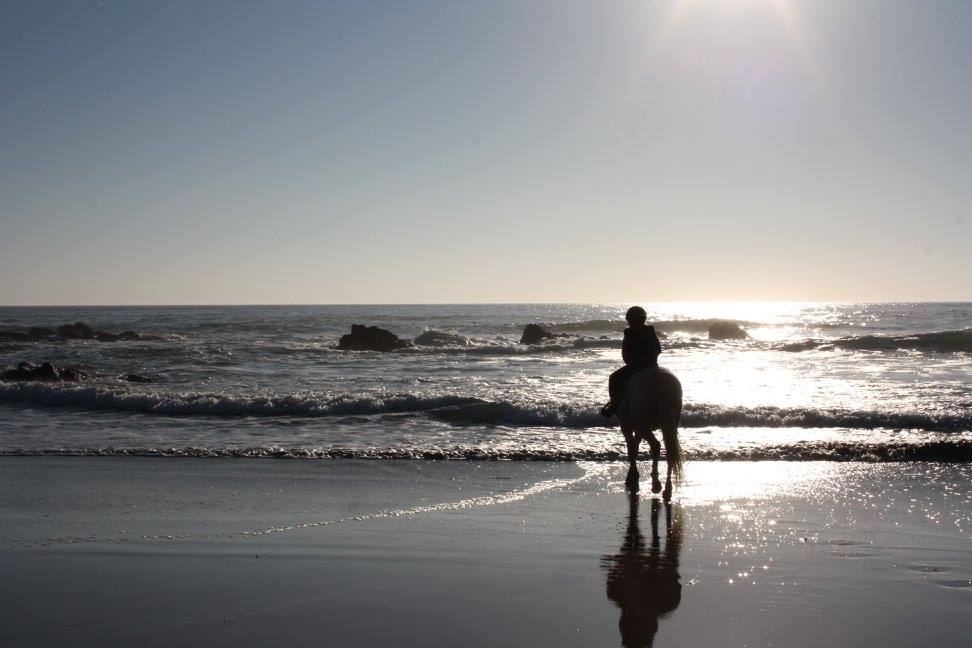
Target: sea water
point(836, 381)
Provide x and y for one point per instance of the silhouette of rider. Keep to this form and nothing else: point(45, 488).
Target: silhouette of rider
point(640, 349)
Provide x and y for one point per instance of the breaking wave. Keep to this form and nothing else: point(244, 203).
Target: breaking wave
point(453, 409)
point(216, 404)
point(942, 451)
point(942, 342)
point(455, 344)
point(700, 326)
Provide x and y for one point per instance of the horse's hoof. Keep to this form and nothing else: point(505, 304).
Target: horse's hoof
point(656, 486)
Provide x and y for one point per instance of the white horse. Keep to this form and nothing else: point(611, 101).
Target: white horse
point(652, 401)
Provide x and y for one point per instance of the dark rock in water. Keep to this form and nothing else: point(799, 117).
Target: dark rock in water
point(76, 331)
point(534, 333)
point(129, 335)
point(796, 347)
point(723, 330)
point(102, 336)
point(33, 334)
point(46, 372)
point(371, 338)
point(435, 338)
point(73, 374)
point(135, 378)
point(22, 372)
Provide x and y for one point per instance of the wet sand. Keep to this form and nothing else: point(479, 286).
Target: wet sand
point(99, 551)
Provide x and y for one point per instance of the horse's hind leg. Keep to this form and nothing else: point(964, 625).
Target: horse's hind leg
point(654, 444)
point(655, 456)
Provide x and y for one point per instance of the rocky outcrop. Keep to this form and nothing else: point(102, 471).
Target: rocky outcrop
point(725, 330)
point(45, 372)
point(534, 333)
point(135, 378)
point(76, 331)
point(371, 338)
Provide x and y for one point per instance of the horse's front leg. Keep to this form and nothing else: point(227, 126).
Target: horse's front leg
point(632, 440)
point(655, 446)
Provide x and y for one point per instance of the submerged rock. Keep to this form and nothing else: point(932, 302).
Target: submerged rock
point(76, 331)
point(33, 334)
point(725, 330)
point(534, 333)
point(135, 378)
point(46, 372)
point(371, 338)
point(433, 337)
point(796, 347)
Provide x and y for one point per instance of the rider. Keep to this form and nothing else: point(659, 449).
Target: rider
point(640, 349)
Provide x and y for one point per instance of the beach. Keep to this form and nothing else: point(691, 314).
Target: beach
point(236, 476)
point(159, 551)
point(349, 323)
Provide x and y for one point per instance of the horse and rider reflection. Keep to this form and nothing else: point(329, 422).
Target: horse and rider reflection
point(643, 578)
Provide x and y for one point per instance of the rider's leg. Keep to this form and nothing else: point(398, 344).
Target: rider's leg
point(617, 383)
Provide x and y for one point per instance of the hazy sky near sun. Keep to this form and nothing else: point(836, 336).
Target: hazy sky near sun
point(311, 152)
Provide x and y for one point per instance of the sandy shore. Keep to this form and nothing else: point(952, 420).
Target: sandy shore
point(120, 551)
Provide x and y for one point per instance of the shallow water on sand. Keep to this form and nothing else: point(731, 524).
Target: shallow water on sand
point(351, 552)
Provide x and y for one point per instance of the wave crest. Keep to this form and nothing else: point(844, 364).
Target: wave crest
point(456, 410)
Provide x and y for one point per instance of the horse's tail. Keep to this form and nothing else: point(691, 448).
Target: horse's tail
point(673, 452)
point(673, 449)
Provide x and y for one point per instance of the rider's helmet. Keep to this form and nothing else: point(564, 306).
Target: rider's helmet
point(636, 315)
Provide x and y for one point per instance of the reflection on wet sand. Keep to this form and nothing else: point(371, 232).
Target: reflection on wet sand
point(642, 579)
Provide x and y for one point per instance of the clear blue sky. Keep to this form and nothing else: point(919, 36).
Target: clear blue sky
point(292, 152)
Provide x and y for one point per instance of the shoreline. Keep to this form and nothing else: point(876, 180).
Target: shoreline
point(957, 452)
point(352, 552)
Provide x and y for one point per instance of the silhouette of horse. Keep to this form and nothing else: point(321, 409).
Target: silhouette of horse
point(643, 579)
point(652, 401)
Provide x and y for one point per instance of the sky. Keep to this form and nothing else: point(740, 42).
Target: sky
point(524, 151)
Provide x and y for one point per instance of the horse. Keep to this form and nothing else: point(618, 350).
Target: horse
point(653, 400)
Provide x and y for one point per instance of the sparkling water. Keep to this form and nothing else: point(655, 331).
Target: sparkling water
point(813, 380)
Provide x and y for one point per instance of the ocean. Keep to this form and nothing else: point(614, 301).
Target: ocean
point(814, 381)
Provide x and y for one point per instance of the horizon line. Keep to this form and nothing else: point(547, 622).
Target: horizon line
point(502, 303)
